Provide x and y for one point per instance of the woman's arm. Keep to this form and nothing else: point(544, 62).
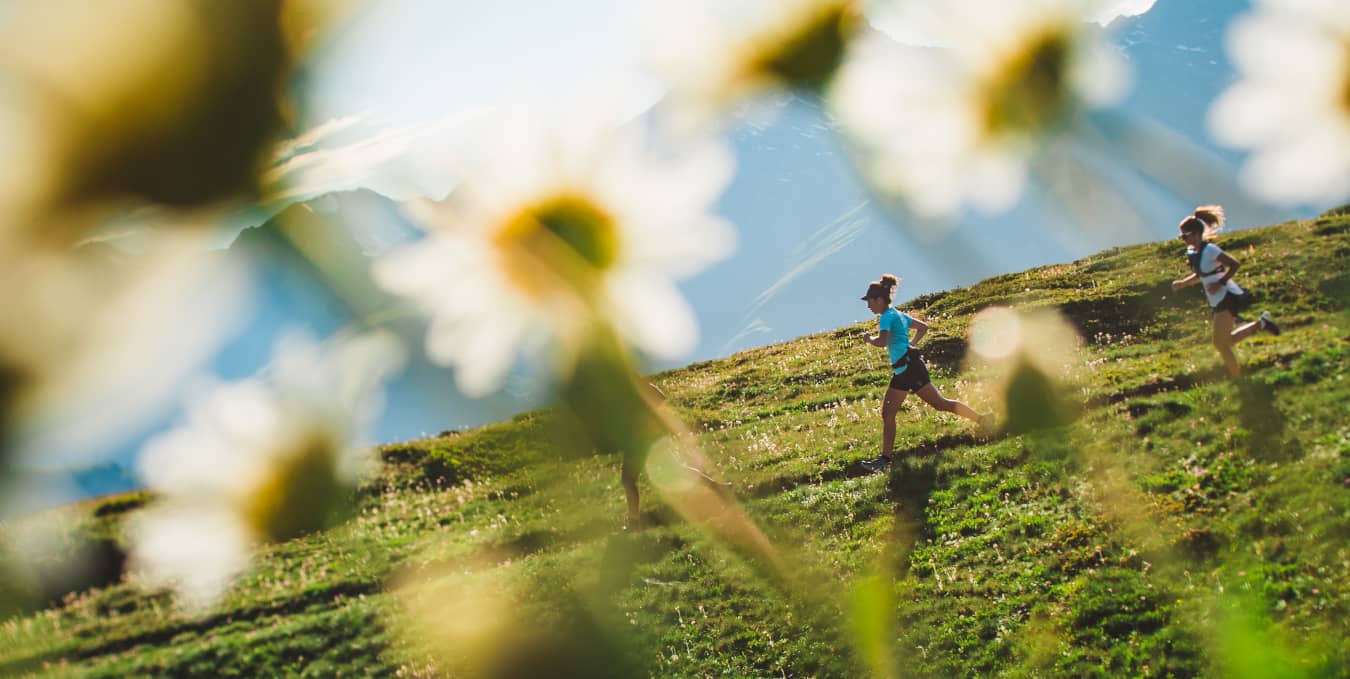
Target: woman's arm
point(1181, 283)
point(919, 328)
point(1230, 267)
point(880, 339)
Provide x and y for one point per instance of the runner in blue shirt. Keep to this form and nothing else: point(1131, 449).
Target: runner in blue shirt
point(1215, 268)
point(908, 372)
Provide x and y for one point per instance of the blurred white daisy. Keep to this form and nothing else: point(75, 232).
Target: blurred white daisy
point(563, 227)
point(258, 461)
point(1291, 103)
point(95, 340)
point(1029, 363)
point(717, 54)
point(173, 101)
point(946, 126)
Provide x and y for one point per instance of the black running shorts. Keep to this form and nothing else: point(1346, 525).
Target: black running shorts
point(915, 377)
point(1234, 304)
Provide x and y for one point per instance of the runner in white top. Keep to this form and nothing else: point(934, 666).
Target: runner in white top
point(1214, 268)
point(1214, 276)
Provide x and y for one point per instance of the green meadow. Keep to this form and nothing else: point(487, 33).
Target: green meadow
point(1148, 517)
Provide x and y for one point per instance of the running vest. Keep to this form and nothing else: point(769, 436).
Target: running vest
point(1193, 258)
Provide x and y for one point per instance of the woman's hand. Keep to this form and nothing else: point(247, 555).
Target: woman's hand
point(1213, 288)
point(1183, 282)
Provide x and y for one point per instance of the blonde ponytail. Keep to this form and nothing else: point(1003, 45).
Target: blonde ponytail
point(1212, 216)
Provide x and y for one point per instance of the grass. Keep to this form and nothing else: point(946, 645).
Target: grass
point(1182, 524)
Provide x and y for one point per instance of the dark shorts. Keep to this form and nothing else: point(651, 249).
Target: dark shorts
point(914, 378)
point(1234, 304)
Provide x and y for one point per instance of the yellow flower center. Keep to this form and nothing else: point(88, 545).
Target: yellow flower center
point(11, 382)
point(1030, 93)
point(567, 238)
point(300, 494)
point(1345, 86)
point(808, 56)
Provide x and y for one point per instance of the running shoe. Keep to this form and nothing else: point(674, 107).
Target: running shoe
point(987, 424)
point(1268, 324)
point(876, 464)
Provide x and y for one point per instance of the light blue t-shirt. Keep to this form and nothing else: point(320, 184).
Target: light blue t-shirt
point(898, 324)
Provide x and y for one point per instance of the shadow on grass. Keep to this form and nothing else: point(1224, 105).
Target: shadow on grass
point(316, 598)
point(1124, 313)
point(852, 470)
point(1214, 374)
point(1259, 414)
point(1168, 383)
point(537, 541)
point(1337, 290)
point(586, 645)
point(624, 554)
point(910, 485)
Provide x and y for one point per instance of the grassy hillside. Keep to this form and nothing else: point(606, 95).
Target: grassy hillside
point(1182, 524)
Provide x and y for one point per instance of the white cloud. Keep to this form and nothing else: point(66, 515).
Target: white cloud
point(914, 23)
point(411, 60)
point(1110, 11)
point(401, 162)
point(827, 241)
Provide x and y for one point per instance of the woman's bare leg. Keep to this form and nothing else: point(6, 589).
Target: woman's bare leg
point(1247, 330)
point(889, 408)
point(1223, 341)
point(932, 397)
point(628, 475)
